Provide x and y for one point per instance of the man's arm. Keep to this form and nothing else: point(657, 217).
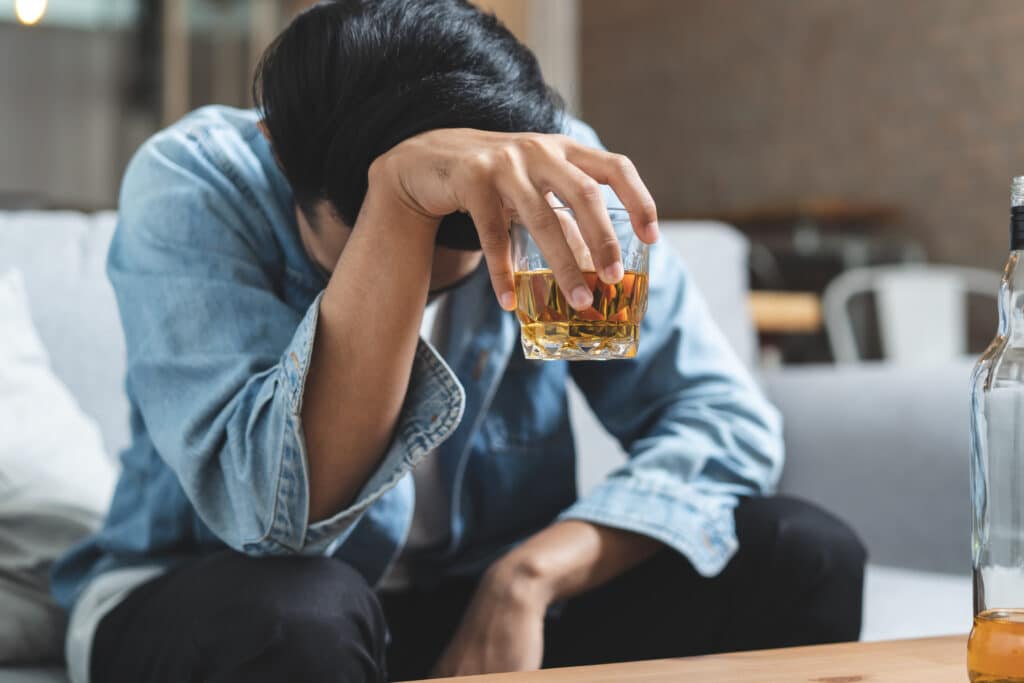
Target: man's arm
point(569, 558)
point(366, 336)
point(502, 629)
point(220, 366)
point(698, 431)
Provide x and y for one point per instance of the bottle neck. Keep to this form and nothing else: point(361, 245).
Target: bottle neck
point(1011, 290)
point(1017, 228)
point(1011, 298)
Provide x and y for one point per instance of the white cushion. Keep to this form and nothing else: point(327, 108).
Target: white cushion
point(55, 482)
point(62, 256)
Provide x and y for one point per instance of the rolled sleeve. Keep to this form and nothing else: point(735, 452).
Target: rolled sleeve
point(288, 511)
point(431, 411)
point(698, 525)
point(433, 407)
point(698, 431)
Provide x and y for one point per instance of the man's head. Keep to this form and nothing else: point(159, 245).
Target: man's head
point(350, 79)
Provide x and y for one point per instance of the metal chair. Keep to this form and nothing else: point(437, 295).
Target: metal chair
point(922, 310)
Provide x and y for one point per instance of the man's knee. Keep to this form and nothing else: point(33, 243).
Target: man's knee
point(814, 559)
point(814, 541)
point(311, 620)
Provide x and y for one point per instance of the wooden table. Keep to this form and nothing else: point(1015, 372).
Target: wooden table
point(931, 660)
point(785, 312)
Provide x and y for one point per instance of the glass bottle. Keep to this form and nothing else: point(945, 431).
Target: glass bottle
point(995, 651)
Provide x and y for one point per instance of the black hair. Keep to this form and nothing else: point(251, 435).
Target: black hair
point(349, 79)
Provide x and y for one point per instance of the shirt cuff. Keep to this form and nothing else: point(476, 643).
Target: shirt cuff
point(432, 409)
point(697, 524)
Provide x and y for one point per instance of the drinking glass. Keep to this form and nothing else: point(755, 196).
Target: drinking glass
point(554, 330)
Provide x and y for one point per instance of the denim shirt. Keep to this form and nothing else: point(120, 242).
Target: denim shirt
point(219, 302)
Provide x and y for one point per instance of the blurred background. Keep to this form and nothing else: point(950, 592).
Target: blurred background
point(835, 135)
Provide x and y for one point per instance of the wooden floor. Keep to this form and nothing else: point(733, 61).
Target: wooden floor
point(931, 660)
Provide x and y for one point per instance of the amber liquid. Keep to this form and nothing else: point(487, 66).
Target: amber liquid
point(552, 329)
point(995, 651)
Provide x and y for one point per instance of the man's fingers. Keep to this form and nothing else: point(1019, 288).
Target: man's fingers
point(492, 226)
point(584, 195)
point(539, 218)
point(573, 236)
point(619, 172)
point(521, 173)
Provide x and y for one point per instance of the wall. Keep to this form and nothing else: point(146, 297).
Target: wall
point(62, 127)
point(726, 104)
point(67, 134)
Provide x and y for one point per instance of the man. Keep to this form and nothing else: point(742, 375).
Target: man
point(315, 493)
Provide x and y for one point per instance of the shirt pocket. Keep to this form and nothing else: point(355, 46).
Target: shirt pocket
point(500, 437)
point(519, 482)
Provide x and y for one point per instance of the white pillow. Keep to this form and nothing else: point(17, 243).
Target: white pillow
point(55, 482)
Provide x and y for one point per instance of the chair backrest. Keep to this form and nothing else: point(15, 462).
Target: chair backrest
point(922, 310)
point(716, 256)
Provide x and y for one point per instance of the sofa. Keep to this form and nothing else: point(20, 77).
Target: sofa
point(884, 447)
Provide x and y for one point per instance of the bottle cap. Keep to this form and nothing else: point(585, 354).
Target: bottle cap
point(1017, 191)
point(1017, 213)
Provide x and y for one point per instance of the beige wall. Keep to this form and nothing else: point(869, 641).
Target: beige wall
point(725, 104)
point(63, 130)
point(513, 13)
point(68, 133)
point(548, 27)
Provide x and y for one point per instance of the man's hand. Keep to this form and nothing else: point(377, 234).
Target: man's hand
point(493, 175)
point(503, 628)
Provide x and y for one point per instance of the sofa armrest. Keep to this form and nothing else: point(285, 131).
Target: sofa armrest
point(885, 447)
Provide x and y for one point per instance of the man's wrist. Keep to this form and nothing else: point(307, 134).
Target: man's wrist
point(568, 558)
point(386, 196)
point(523, 579)
point(384, 208)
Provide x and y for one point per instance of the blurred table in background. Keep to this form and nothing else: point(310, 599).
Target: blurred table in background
point(776, 312)
point(783, 321)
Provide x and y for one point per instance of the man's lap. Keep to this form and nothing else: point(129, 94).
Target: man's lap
point(230, 617)
point(796, 579)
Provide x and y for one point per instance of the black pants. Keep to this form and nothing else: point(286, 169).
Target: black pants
point(797, 579)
